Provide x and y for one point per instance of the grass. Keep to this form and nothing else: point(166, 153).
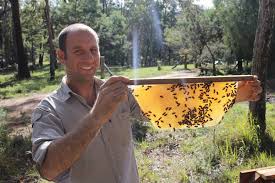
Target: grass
point(148, 71)
point(15, 162)
point(216, 154)
point(39, 82)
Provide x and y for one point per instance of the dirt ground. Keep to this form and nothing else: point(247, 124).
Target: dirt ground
point(19, 112)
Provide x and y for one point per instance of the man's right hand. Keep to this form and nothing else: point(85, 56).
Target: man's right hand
point(110, 94)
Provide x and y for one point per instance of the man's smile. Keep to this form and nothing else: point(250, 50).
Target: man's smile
point(86, 67)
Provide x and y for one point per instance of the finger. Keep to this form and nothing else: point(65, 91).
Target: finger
point(256, 98)
point(255, 82)
point(120, 78)
point(114, 89)
point(114, 86)
point(120, 95)
point(258, 90)
point(111, 92)
point(114, 79)
point(119, 90)
point(113, 98)
point(255, 77)
point(241, 83)
point(258, 93)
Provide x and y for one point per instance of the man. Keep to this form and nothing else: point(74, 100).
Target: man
point(81, 132)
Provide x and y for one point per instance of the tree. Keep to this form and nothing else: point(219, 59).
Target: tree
point(84, 11)
point(146, 18)
point(197, 30)
point(261, 58)
point(239, 22)
point(34, 32)
point(7, 57)
point(50, 40)
point(23, 70)
point(113, 38)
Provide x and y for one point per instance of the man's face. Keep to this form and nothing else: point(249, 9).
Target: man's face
point(82, 56)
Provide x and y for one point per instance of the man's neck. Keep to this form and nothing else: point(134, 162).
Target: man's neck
point(84, 89)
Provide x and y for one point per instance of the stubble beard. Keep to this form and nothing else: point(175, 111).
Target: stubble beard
point(79, 78)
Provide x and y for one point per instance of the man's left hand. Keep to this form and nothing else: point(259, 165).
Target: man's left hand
point(249, 90)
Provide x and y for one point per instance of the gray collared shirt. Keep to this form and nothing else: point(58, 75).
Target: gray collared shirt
point(108, 158)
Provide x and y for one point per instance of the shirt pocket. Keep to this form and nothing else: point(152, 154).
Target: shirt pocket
point(119, 131)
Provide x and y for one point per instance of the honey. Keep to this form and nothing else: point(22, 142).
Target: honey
point(190, 105)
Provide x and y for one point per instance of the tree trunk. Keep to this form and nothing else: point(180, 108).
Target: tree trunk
point(41, 55)
point(240, 66)
point(104, 6)
point(271, 65)
point(261, 57)
point(50, 41)
point(2, 32)
point(6, 48)
point(185, 61)
point(169, 56)
point(33, 56)
point(271, 70)
point(1, 36)
point(213, 59)
point(23, 70)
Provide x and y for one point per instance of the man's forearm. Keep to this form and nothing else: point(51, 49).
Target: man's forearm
point(63, 152)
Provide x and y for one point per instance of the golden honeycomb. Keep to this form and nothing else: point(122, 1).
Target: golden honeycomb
point(190, 105)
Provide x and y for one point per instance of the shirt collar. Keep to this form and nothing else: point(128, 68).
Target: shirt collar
point(65, 92)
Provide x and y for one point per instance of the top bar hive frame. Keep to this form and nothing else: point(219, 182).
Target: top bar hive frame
point(202, 79)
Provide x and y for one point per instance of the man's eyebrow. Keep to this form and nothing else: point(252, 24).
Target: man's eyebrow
point(77, 47)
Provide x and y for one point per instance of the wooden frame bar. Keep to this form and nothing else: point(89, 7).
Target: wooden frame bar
point(265, 174)
point(203, 79)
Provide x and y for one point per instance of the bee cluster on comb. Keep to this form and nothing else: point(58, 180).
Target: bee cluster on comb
point(190, 105)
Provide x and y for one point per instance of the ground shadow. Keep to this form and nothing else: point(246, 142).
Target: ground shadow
point(139, 130)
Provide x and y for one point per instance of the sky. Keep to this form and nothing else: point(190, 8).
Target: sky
point(205, 3)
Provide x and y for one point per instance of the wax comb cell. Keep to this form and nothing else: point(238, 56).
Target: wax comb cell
point(191, 105)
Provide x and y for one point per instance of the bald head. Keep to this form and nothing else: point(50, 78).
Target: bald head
point(78, 27)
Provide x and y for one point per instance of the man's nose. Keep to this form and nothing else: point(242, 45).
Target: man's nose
point(88, 56)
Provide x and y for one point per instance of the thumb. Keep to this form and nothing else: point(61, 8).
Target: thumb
point(241, 83)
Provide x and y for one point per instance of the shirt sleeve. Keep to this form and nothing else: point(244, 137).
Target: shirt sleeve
point(47, 127)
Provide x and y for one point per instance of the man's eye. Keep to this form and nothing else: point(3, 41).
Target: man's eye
point(78, 52)
point(94, 50)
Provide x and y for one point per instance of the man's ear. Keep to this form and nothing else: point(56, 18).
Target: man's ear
point(60, 55)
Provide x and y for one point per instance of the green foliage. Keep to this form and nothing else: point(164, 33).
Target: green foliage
point(239, 20)
point(84, 11)
point(15, 162)
point(34, 32)
point(3, 114)
point(113, 38)
point(197, 34)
